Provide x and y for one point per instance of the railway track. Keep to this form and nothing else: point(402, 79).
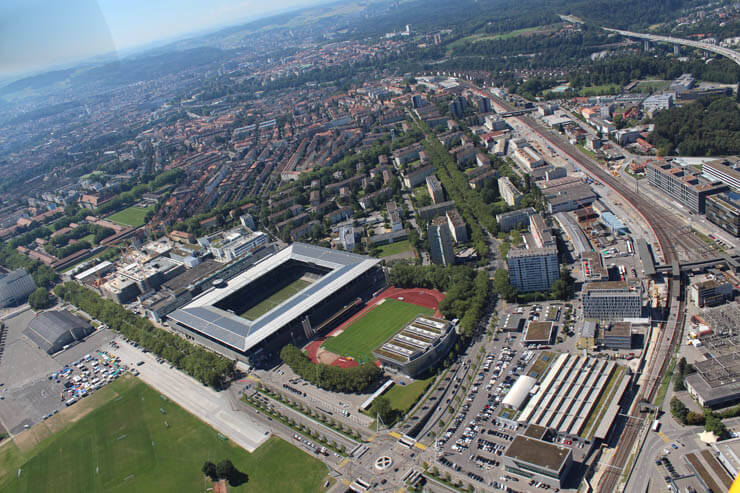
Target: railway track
point(671, 236)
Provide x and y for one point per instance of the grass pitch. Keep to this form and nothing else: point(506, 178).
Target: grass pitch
point(139, 442)
point(268, 304)
point(133, 216)
point(371, 330)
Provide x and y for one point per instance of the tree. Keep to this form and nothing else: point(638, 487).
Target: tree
point(225, 469)
point(564, 287)
point(39, 299)
point(502, 286)
point(382, 407)
point(679, 410)
point(714, 424)
point(209, 469)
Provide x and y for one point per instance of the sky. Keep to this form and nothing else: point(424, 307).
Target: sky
point(37, 34)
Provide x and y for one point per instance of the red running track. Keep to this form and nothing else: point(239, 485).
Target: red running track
point(428, 298)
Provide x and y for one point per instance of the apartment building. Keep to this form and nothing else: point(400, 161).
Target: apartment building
point(533, 269)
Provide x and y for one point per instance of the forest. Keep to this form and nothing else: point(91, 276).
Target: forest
point(707, 127)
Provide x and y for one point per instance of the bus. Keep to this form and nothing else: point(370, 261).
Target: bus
point(656, 425)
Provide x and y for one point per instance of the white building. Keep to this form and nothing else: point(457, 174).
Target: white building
point(229, 245)
point(508, 192)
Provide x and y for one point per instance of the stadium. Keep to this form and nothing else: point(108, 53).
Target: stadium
point(286, 298)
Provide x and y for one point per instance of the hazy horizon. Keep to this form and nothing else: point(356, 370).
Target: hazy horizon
point(37, 35)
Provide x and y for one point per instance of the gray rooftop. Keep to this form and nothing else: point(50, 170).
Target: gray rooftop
point(243, 334)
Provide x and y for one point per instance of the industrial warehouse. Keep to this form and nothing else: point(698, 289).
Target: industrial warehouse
point(578, 396)
point(288, 297)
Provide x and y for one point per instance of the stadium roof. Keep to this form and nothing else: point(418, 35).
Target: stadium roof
point(243, 334)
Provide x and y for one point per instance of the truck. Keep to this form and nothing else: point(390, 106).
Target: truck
point(656, 425)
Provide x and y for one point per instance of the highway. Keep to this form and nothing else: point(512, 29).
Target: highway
point(720, 50)
point(669, 234)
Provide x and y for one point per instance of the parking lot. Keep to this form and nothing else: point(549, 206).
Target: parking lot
point(479, 434)
point(26, 392)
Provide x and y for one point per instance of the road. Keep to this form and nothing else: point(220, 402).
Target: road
point(215, 408)
point(670, 235)
point(720, 50)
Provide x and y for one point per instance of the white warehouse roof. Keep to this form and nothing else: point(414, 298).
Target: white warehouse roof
point(515, 398)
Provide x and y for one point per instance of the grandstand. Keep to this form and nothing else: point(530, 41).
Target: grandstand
point(286, 298)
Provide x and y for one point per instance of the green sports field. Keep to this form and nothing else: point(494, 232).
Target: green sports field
point(268, 304)
point(133, 216)
point(370, 331)
point(140, 442)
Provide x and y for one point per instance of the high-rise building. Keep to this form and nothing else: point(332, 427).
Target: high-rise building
point(457, 107)
point(508, 192)
point(484, 105)
point(533, 269)
point(434, 187)
point(440, 242)
point(457, 226)
point(417, 101)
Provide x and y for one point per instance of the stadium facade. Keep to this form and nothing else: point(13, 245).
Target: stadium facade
point(418, 346)
point(249, 318)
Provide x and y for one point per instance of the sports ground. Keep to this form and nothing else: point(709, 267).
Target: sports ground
point(268, 304)
point(359, 339)
point(133, 216)
point(138, 441)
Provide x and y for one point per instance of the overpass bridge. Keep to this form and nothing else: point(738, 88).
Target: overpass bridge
point(720, 50)
point(731, 261)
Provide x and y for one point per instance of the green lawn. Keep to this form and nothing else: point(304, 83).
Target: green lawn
point(268, 304)
point(140, 442)
point(394, 248)
point(133, 216)
point(599, 90)
point(370, 331)
point(646, 86)
point(475, 38)
point(403, 397)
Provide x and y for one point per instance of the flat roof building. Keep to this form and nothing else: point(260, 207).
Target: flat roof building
point(716, 382)
point(710, 292)
point(511, 220)
point(533, 458)
point(418, 346)
point(728, 453)
point(541, 232)
point(723, 170)
point(593, 267)
point(723, 209)
point(616, 335)
point(685, 185)
point(611, 300)
point(538, 333)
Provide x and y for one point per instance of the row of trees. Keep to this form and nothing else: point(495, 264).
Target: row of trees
point(355, 379)
point(203, 365)
point(470, 203)
point(712, 421)
point(682, 369)
point(466, 290)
